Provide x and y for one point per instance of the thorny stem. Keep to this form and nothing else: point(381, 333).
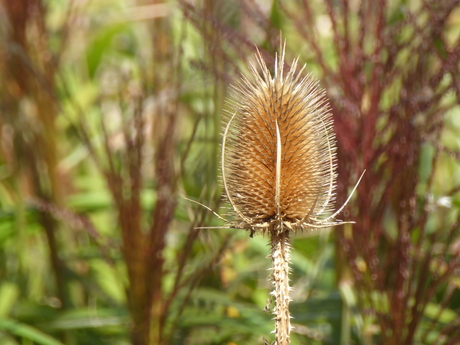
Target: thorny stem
point(280, 279)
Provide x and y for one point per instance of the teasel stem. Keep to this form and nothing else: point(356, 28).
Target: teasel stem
point(280, 254)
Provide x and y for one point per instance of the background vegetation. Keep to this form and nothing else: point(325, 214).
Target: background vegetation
point(110, 112)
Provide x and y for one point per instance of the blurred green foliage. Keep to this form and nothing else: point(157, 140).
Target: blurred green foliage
point(94, 60)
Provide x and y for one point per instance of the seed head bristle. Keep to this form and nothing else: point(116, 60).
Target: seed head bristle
point(279, 149)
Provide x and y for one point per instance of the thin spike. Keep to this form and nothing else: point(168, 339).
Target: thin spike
point(224, 179)
point(208, 208)
point(348, 199)
point(278, 170)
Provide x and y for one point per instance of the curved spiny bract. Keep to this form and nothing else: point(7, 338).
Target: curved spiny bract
point(279, 150)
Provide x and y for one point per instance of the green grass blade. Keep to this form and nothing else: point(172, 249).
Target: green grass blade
point(22, 330)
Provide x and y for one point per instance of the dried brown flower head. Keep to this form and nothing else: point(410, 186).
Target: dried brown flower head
point(278, 166)
point(278, 151)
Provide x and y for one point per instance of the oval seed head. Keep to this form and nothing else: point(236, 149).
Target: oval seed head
point(278, 151)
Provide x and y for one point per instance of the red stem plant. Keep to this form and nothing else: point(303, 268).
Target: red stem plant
point(392, 74)
point(395, 79)
point(27, 98)
point(144, 152)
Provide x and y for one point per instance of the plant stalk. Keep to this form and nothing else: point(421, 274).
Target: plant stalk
point(280, 279)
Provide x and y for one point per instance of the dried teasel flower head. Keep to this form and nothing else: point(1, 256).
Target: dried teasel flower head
point(279, 166)
point(278, 151)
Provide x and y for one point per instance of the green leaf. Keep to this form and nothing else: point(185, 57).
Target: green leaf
point(27, 332)
point(85, 318)
point(436, 312)
point(275, 15)
point(101, 43)
point(9, 293)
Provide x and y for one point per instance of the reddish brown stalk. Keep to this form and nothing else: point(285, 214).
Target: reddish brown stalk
point(387, 139)
point(28, 72)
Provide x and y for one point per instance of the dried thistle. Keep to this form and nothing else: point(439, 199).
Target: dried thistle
point(278, 152)
point(278, 166)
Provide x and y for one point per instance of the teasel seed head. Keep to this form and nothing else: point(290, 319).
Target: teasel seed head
point(278, 151)
point(278, 166)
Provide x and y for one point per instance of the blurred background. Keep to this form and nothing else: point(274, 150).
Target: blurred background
point(110, 113)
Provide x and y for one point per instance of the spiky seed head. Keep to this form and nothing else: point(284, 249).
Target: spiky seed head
point(278, 162)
